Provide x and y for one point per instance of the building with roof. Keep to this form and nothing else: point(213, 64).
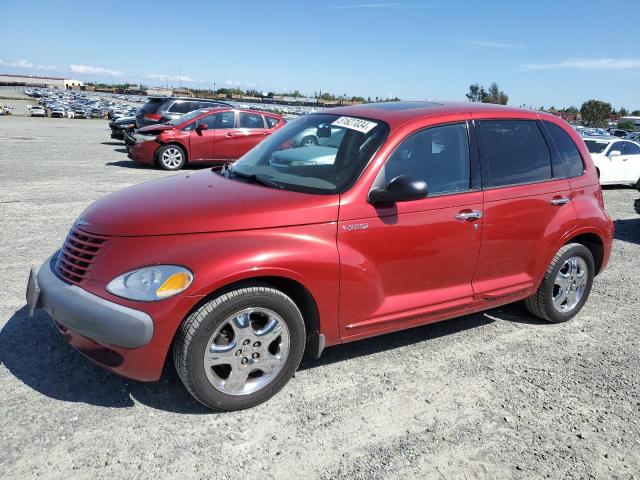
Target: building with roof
point(39, 81)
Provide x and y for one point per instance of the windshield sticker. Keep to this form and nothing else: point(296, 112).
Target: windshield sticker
point(358, 124)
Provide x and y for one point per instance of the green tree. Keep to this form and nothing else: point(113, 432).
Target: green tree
point(626, 125)
point(496, 95)
point(477, 93)
point(357, 99)
point(635, 113)
point(623, 112)
point(596, 113)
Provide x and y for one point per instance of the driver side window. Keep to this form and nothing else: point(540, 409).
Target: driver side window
point(437, 155)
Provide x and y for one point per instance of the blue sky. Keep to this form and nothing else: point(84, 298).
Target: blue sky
point(543, 52)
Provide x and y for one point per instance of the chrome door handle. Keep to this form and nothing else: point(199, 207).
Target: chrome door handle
point(466, 216)
point(559, 201)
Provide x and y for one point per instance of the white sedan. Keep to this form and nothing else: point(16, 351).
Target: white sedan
point(617, 161)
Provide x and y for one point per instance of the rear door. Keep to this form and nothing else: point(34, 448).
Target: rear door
point(526, 206)
point(250, 131)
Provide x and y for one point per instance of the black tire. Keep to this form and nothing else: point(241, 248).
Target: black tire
point(196, 331)
point(541, 303)
point(172, 165)
point(308, 141)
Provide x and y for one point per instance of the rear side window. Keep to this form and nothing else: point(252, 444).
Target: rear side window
point(516, 152)
point(272, 122)
point(180, 106)
point(631, 148)
point(250, 120)
point(567, 149)
point(437, 155)
point(152, 105)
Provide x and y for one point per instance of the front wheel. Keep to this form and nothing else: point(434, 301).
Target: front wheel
point(171, 157)
point(241, 348)
point(566, 285)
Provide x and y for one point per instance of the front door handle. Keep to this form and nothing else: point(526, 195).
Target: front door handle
point(466, 216)
point(556, 202)
point(228, 135)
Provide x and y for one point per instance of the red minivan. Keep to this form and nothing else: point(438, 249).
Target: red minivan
point(403, 214)
point(211, 135)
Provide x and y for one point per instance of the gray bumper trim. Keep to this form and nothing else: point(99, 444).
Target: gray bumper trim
point(91, 316)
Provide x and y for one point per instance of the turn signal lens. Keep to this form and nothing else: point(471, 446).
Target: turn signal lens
point(175, 284)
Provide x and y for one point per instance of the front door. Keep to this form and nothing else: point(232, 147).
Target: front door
point(409, 262)
point(201, 142)
point(251, 131)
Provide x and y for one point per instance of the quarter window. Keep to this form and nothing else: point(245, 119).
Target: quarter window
point(271, 121)
point(250, 120)
point(437, 155)
point(181, 106)
point(516, 152)
point(567, 149)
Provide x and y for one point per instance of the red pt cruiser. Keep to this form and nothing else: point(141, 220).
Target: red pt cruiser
point(215, 135)
point(402, 215)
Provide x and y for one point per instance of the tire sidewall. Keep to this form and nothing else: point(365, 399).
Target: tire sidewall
point(575, 251)
point(290, 314)
point(162, 149)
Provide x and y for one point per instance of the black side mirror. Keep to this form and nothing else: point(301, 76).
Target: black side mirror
point(200, 127)
point(402, 188)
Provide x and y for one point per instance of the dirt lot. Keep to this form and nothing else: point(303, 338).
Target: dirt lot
point(494, 395)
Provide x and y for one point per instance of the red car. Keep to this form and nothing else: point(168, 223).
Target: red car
point(212, 135)
point(413, 213)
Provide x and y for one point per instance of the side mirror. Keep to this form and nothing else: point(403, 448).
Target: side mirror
point(402, 188)
point(200, 127)
point(615, 153)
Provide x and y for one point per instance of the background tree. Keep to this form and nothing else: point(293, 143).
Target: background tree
point(627, 125)
point(477, 93)
point(596, 113)
point(496, 95)
point(623, 112)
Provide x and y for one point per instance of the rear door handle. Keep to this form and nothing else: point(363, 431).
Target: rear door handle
point(556, 202)
point(228, 135)
point(466, 216)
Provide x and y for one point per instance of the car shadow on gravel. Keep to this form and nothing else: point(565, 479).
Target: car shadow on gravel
point(515, 312)
point(127, 164)
point(36, 354)
point(627, 230)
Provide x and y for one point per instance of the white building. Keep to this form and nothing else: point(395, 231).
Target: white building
point(634, 120)
point(38, 81)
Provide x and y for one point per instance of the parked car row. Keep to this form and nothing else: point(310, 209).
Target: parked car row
point(71, 104)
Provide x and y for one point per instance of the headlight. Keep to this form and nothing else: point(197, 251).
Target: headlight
point(150, 284)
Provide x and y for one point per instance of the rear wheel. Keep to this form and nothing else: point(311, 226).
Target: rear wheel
point(566, 285)
point(241, 348)
point(171, 157)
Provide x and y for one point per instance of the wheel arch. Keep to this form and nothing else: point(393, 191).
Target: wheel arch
point(176, 143)
point(298, 292)
point(595, 245)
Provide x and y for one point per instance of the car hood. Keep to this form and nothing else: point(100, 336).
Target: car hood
point(203, 202)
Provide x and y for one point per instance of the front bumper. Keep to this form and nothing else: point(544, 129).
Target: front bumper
point(93, 317)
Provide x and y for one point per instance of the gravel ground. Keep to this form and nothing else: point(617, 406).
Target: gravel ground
point(494, 395)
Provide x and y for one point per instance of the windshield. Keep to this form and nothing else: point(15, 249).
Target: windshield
point(595, 146)
point(318, 153)
point(187, 116)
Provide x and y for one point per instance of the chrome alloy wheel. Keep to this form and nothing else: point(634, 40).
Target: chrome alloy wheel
point(171, 157)
point(570, 284)
point(247, 351)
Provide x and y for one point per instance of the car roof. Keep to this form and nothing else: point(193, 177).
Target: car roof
point(398, 113)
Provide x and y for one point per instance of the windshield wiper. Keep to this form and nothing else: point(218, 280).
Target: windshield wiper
point(254, 177)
